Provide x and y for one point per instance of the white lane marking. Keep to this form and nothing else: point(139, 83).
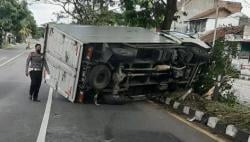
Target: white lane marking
point(12, 59)
point(3, 58)
point(43, 129)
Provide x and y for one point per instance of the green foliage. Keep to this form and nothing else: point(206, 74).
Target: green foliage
point(39, 33)
point(107, 18)
point(16, 18)
point(8, 13)
point(88, 13)
point(152, 13)
point(25, 32)
point(228, 98)
point(141, 18)
point(220, 65)
point(237, 114)
point(232, 48)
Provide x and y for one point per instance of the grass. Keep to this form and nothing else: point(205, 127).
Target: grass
point(236, 114)
point(5, 45)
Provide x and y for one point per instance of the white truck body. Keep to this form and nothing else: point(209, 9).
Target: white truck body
point(63, 56)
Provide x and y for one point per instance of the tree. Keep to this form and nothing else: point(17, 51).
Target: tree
point(14, 15)
point(25, 32)
point(8, 13)
point(220, 66)
point(24, 21)
point(88, 12)
point(39, 33)
point(151, 13)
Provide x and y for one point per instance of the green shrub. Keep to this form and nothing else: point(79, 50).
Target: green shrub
point(220, 64)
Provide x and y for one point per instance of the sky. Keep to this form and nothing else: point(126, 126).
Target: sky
point(43, 13)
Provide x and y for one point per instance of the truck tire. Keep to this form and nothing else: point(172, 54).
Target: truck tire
point(99, 77)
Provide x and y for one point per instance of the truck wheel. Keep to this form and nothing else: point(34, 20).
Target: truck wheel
point(99, 77)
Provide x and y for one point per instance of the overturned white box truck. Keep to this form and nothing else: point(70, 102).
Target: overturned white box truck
point(120, 61)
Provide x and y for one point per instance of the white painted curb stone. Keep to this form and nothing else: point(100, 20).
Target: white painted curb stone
point(167, 101)
point(231, 130)
point(198, 115)
point(186, 110)
point(212, 121)
point(176, 105)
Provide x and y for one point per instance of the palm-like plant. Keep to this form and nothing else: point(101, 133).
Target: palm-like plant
point(25, 32)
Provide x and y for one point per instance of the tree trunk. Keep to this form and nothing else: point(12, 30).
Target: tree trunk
point(171, 9)
point(216, 93)
point(167, 22)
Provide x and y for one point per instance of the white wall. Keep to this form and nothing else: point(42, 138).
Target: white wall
point(210, 24)
point(233, 21)
point(246, 34)
point(192, 8)
point(222, 22)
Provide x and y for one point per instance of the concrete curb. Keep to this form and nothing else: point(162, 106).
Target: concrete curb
point(214, 123)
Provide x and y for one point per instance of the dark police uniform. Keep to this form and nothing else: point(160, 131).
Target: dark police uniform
point(34, 66)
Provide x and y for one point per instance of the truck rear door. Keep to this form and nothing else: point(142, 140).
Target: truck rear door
point(63, 56)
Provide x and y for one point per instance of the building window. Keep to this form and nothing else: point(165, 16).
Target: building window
point(198, 26)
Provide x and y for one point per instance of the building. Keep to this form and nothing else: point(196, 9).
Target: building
point(242, 61)
point(10, 38)
point(243, 41)
point(205, 21)
point(188, 9)
point(233, 32)
point(198, 16)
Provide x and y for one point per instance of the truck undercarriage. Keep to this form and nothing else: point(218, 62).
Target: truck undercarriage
point(134, 69)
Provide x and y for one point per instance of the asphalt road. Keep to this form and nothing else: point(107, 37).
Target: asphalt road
point(20, 119)
point(6, 54)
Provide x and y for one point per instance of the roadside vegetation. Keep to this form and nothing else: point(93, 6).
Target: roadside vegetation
point(16, 19)
point(218, 76)
point(236, 113)
point(217, 100)
point(219, 66)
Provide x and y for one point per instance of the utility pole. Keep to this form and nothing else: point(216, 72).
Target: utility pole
point(218, 83)
point(216, 21)
point(182, 10)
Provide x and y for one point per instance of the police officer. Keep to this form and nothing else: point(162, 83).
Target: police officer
point(34, 68)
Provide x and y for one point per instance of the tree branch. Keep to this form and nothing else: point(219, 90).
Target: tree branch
point(164, 3)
